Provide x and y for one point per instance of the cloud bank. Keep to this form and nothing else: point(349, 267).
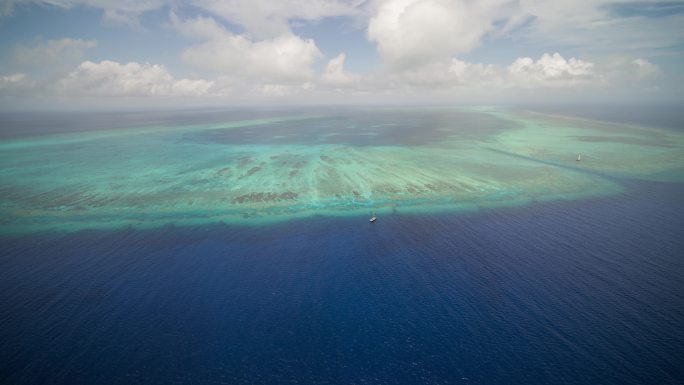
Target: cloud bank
point(112, 79)
point(235, 50)
point(284, 59)
point(411, 33)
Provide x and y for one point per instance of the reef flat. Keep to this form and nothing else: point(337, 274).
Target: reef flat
point(351, 162)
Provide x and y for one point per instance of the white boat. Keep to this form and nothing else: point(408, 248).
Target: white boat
point(373, 218)
point(579, 157)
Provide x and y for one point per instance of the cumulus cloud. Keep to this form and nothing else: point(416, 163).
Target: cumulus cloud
point(410, 33)
point(335, 75)
point(285, 58)
point(550, 71)
point(282, 59)
point(109, 78)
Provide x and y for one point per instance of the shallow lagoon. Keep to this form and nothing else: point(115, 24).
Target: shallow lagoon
point(256, 167)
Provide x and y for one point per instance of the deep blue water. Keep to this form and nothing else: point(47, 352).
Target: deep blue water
point(555, 293)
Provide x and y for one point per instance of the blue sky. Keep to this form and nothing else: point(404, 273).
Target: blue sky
point(98, 53)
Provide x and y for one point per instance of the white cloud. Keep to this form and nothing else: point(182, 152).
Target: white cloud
point(550, 71)
point(453, 77)
point(282, 59)
point(15, 82)
point(191, 87)
point(109, 78)
point(14, 78)
point(420, 42)
point(202, 28)
point(630, 74)
point(458, 25)
point(550, 75)
point(282, 90)
point(646, 69)
point(411, 33)
point(54, 53)
point(336, 76)
point(449, 74)
point(285, 58)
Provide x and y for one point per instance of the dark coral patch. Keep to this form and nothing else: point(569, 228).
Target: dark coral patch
point(252, 171)
point(265, 197)
point(224, 171)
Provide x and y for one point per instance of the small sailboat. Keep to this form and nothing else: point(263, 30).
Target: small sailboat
point(373, 218)
point(579, 157)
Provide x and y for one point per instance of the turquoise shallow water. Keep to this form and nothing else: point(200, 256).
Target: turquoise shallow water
point(262, 167)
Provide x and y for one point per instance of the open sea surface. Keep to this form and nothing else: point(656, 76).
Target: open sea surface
point(586, 291)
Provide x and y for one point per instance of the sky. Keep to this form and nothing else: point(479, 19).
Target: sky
point(78, 54)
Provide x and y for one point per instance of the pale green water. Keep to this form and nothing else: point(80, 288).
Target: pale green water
point(263, 170)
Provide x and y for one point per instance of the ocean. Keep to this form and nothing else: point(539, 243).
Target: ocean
point(574, 276)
